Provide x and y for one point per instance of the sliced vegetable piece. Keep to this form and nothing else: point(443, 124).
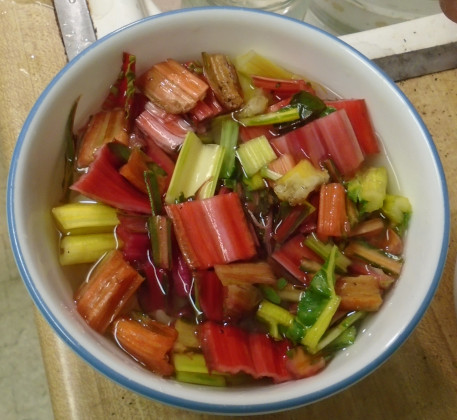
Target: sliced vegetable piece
point(81, 249)
point(85, 218)
point(167, 130)
point(223, 79)
point(207, 108)
point(245, 273)
point(282, 164)
point(290, 293)
point(153, 294)
point(275, 317)
point(227, 234)
point(103, 183)
point(269, 357)
point(281, 116)
point(359, 293)
point(228, 140)
point(288, 86)
point(309, 107)
point(107, 291)
point(252, 63)
point(255, 182)
point(133, 171)
point(172, 87)
point(369, 227)
point(240, 301)
point(149, 343)
point(122, 92)
point(302, 364)
point(255, 154)
point(323, 250)
point(187, 336)
point(295, 186)
point(151, 181)
point(191, 368)
point(104, 127)
point(290, 255)
point(135, 242)
point(392, 242)
point(385, 280)
point(210, 295)
point(249, 133)
point(256, 104)
point(289, 218)
point(388, 262)
point(198, 165)
point(340, 141)
point(268, 174)
point(332, 216)
point(398, 209)
point(334, 332)
point(70, 153)
point(160, 233)
point(226, 348)
point(368, 189)
point(181, 275)
point(359, 117)
point(201, 378)
point(190, 362)
point(303, 143)
point(159, 157)
point(343, 341)
point(318, 304)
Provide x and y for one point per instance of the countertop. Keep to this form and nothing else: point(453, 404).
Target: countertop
point(418, 382)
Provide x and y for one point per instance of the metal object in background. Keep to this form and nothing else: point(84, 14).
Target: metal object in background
point(403, 51)
point(75, 24)
point(419, 62)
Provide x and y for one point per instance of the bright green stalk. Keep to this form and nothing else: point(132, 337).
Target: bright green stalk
point(333, 333)
point(159, 228)
point(344, 340)
point(317, 306)
point(155, 198)
point(228, 140)
point(323, 250)
point(254, 154)
point(315, 332)
point(190, 362)
point(283, 115)
point(274, 316)
point(200, 378)
point(191, 368)
point(198, 167)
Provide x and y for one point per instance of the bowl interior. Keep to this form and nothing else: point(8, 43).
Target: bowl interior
point(34, 187)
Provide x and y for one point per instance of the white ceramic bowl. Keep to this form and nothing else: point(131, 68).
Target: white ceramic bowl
point(33, 187)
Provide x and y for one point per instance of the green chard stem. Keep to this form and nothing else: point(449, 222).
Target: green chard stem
point(317, 306)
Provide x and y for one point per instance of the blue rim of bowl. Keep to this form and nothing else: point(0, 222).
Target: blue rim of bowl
point(182, 402)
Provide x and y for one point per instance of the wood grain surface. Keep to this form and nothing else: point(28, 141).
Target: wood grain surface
point(418, 382)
